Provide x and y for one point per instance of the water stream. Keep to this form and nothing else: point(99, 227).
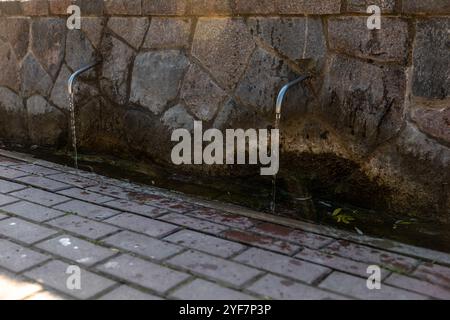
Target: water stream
point(73, 129)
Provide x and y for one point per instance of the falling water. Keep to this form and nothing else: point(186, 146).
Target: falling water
point(274, 178)
point(73, 129)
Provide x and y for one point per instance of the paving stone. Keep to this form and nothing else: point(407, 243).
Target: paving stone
point(78, 181)
point(261, 241)
point(24, 231)
point(337, 263)
point(142, 245)
point(10, 173)
point(44, 183)
point(3, 216)
point(53, 274)
point(213, 267)
point(357, 288)
point(32, 211)
point(6, 200)
point(6, 186)
point(193, 223)
point(132, 30)
point(284, 289)
point(143, 273)
point(87, 210)
point(205, 243)
point(85, 195)
point(175, 205)
point(39, 196)
point(168, 33)
point(84, 227)
point(139, 224)
point(302, 238)
point(6, 162)
point(433, 273)
point(134, 207)
point(283, 265)
point(75, 249)
point(110, 190)
point(127, 293)
point(369, 255)
point(17, 258)
point(47, 295)
point(13, 287)
point(418, 286)
point(200, 289)
point(35, 169)
point(224, 218)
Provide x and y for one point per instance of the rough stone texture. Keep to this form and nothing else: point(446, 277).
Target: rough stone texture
point(255, 6)
point(117, 57)
point(431, 64)
point(364, 101)
point(46, 124)
point(59, 95)
point(213, 39)
point(434, 122)
point(196, 84)
point(164, 7)
point(211, 7)
point(35, 8)
point(93, 29)
point(177, 117)
point(16, 32)
point(35, 80)
point(125, 7)
point(156, 78)
point(309, 7)
point(9, 66)
point(132, 30)
point(295, 38)
point(360, 6)
point(168, 33)
point(418, 6)
point(79, 50)
point(265, 76)
point(49, 50)
point(350, 35)
point(12, 121)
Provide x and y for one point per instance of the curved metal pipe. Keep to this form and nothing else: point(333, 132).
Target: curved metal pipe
point(283, 92)
point(74, 76)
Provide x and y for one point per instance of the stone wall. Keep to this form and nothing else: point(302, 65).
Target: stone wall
point(379, 100)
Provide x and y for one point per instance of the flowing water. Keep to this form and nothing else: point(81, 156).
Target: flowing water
point(274, 178)
point(73, 129)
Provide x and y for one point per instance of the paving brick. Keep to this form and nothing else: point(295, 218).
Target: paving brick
point(110, 190)
point(142, 245)
point(6, 186)
point(44, 183)
point(357, 287)
point(284, 289)
point(299, 237)
point(17, 258)
point(127, 293)
point(9, 162)
point(75, 249)
point(192, 223)
point(32, 211)
point(35, 169)
point(221, 217)
point(283, 265)
point(200, 289)
point(213, 267)
point(143, 273)
point(84, 227)
point(10, 173)
point(75, 180)
point(87, 210)
point(205, 243)
point(3, 216)
point(4, 200)
point(337, 263)
point(369, 255)
point(433, 273)
point(47, 295)
point(134, 207)
point(41, 197)
point(24, 231)
point(144, 225)
point(13, 287)
point(82, 194)
point(261, 241)
point(53, 274)
point(418, 286)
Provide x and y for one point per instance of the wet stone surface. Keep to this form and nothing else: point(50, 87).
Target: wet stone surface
point(184, 250)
